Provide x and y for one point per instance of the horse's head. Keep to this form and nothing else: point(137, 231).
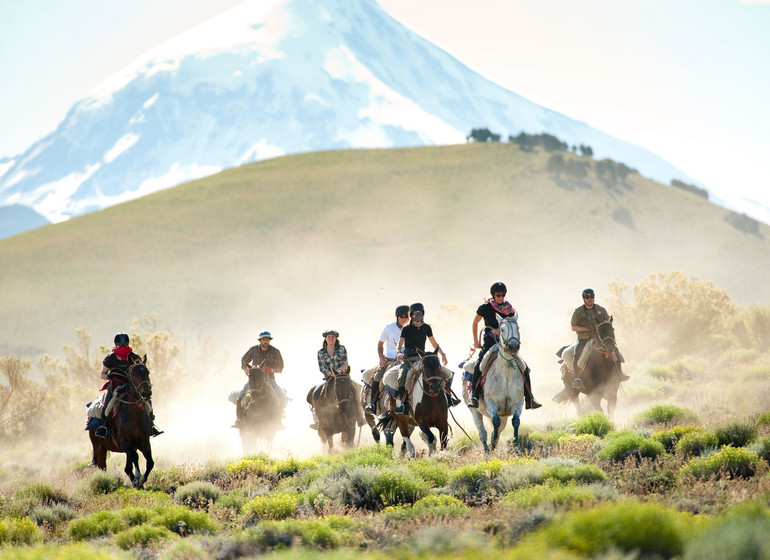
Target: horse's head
point(509, 334)
point(256, 379)
point(343, 391)
point(139, 380)
point(430, 370)
point(606, 333)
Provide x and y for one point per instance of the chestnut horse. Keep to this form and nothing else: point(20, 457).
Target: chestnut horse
point(339, 410)
point(131, 425)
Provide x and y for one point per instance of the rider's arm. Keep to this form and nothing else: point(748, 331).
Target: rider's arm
point(105, 371)
point(381, 352)
point(246, 359)
point(476, 320)
point(278, 366)
point(438, 348)
point(400, 344)
point(342, 360)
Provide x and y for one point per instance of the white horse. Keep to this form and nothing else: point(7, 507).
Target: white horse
point(503, 393)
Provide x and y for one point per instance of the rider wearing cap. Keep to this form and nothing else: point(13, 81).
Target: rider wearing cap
point(332, 359)
point(387, 349)
point(266, 357)
point(413, 337)
point(585, 320)
point(119, 360)
point(488, 311)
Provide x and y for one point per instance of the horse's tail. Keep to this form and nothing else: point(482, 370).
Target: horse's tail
point(562, 396)
point(562, 349)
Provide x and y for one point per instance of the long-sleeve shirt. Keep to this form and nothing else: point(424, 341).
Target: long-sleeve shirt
point(338, 361)
point(271, 358)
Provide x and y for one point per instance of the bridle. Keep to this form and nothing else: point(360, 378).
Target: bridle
point(137, 397)
point(605, 347)
point(426, 381)
point(508, 334)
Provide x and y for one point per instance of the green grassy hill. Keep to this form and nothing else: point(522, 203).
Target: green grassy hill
point(340, 238)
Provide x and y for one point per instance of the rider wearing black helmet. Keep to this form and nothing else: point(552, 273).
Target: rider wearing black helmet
point(413, 337)
point(488, 311)
point(584, 322)
point(118, 360)
point(387, 349)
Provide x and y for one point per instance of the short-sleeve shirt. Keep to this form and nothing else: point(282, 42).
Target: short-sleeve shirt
point(589, 318)
point(415, 337)
point(111, 361)
point(389, 337)
point(337, 362)
point(489, 314)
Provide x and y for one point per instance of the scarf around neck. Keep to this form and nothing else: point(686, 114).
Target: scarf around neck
point(505, 309)
point(122, 352)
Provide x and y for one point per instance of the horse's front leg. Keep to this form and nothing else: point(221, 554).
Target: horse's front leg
point(443, 431)
point(132, 467)
point(149, 462)
point(427, 436)
point(612, 401)
point(492, 409)
point(478, 419)
point(515, 422)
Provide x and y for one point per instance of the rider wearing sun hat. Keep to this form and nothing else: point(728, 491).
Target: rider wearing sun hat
point(488, 311)
point(332, 359)
point(266, 357)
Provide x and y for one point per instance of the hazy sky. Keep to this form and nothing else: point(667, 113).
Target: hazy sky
point(686, 79)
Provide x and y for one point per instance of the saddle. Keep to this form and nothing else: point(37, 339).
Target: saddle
point(390, 380)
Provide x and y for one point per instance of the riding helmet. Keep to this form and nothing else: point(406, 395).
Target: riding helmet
point(588, 292)
point(121, 339)
point(402, 310)
point(331, 331)
point(416, 307)
point(497, 288)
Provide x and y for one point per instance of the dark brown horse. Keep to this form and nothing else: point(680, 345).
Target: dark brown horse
point(387, 425)
point(429, 406)
point(262, 412)
point(338, 409)
point(600, 379)
point(131, 425)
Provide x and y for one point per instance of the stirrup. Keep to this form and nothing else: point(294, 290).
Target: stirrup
point(370, 408)
point(101, 432)
point(577, 383)
point(402, 409)
point(154, 431)
point(474, 403)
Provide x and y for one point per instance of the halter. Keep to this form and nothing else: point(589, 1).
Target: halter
point(424, 381)
point(138, 399)
point(611, 337)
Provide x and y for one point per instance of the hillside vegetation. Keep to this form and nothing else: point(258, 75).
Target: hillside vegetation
point(377, 227)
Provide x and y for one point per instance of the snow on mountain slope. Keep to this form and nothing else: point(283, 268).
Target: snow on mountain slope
point(267, 78)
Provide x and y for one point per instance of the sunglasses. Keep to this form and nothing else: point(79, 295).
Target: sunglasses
point(588, 297)
point(403, 316)
point(418, 313)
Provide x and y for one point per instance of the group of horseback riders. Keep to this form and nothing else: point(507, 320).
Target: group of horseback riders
point(402, 341)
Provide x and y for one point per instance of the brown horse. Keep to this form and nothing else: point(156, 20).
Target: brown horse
point(600, 379)
point(388, 424)
point(131, 425)
point(262, 412)
point(429, 405)
point(339, 410)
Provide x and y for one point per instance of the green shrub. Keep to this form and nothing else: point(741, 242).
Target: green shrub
point(195, 521)
point(582, 474)
point(370, 456)
point(42, 494)
point(73, 551)
point(661, 373)
point(762, 448)
point(647, 529)
point(291, 466)
point(729, 462)
point(102, 482)
point(544, 439)
point(471, 481)
point(19, 531)
point(52, 515)
point(595, 423)
point(742, 532)
point(276, 506)
point(696, 443)
point(556, 494)
point(631, 444)
point(197, 494)
point(95, 525)
point(738, 433)
point(234, 500)
point(763, 419)
point(136, 515)
point(258, 465)
point(373, 488)
point(431, 471)
point(327, 533)
point(753, 375)
point(670, 438)
point(518, 475)
point(668, 414)
point(142, 535)
point(434, 506)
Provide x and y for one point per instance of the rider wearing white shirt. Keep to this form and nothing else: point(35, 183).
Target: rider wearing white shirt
point(387, 348)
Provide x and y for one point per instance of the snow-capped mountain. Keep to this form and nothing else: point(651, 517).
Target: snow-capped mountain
point(267, 78)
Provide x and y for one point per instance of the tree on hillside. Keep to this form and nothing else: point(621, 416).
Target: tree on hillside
point(586, 151)
point(482, 135)
point(690, 188)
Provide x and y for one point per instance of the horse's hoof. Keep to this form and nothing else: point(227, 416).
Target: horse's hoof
point(376, 434)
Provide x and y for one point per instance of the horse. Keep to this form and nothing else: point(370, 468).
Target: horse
point(386, 425)
point(429, 406)
point(339, 410)
point(599, 379)
point(503, 393)
point(262, 412)
point(131, 425)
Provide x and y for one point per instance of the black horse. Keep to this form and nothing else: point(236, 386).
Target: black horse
point(339, 410)
point(131, 426)
point(262, 412)
point(600, 379)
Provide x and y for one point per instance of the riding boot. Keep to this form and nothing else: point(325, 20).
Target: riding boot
point(372, 406)
point(314, 425)
point(238, 415)
point(450, 400)
point(475, 386)
point(101, 431)
point(529, 398)
point(404, 407)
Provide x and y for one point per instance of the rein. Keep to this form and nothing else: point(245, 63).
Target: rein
point(138, 400)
